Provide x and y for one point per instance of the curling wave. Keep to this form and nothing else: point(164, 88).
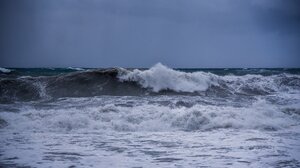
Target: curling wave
point(158, 80)
point(160, 77)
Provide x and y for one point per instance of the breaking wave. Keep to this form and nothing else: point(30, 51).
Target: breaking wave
point(76, 69)
point(150, 117)
point(4, 70)
point(158, 80)
point(160, 77)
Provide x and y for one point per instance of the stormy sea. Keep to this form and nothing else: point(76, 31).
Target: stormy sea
point(156, 117)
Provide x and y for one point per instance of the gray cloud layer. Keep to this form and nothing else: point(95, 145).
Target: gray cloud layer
point(139, 33)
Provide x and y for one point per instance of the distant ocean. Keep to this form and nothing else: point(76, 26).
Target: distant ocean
point(157, 117)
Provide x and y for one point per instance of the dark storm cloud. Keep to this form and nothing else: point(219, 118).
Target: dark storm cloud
point(139, 33)
point(279, 15)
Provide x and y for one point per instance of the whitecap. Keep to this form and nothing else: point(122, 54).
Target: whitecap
point(160, 77)
point(77, 69)
point(5, 70)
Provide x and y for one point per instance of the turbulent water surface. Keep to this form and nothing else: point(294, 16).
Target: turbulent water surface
point(157, 117)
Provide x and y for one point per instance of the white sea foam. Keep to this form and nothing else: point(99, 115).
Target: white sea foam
point(5, 70)
point(158, 131)
point(160, 77)
point(75, 68)
point(161, 130)
point(150, 117)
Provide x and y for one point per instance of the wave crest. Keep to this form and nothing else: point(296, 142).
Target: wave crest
point(108, 115)
point(160, 77)
point(158, 80)
point(5, 70)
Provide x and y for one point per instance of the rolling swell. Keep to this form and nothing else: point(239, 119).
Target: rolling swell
point(158, 80)
point(76, 84)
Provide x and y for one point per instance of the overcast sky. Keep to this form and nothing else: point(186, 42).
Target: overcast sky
point(140, 33)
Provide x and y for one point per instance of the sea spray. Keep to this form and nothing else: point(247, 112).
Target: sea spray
point(157, 117)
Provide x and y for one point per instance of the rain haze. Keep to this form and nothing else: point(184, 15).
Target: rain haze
point(140, 33)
